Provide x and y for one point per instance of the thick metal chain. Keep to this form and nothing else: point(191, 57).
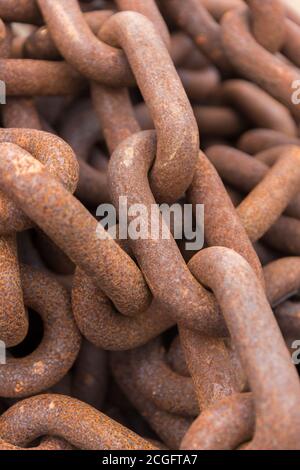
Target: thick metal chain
point(123, 342)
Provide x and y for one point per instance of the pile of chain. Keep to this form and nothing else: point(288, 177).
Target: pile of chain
point(142, 344)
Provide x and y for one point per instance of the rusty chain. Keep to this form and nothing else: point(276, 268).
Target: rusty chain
point(119, 342)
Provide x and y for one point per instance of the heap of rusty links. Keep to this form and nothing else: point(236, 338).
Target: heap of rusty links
point(113, 342)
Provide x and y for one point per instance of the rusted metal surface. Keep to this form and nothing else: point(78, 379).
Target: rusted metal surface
point(283, 182)
point(22, 11)
point(246, 173)
point(34, 77)
point(158, 383)
point(6, 40)
point(177, 133)
point(13, 316)
point(21, 113)
point(59, 158)
point(71, 419)
point(134, 157)
point(263, 110)
point(284, 235)
point(176, 359)
point(268, 23)
point(48, 443)
point(60, 344)
point(170, 428)
point(218, 7)
point(282, 279)
point(40, 45)
point(222, 227)
point(256, 63)
point(225, 426)
point(292, 41)
point(196, 21)
point(92, 185)
point(93, 58)
point(91, 375)
point(199, 84)
point(115, 113)
point(185, 53)
point(149, 9)
point(253, 328)
point(51, 216)
point(145, 342)
point(218, 121)
point(257, 140)
point(287, 314)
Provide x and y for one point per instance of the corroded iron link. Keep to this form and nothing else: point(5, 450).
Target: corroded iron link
point(117, 330)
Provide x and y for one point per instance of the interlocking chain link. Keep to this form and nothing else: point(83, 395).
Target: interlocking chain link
point(123, 342)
